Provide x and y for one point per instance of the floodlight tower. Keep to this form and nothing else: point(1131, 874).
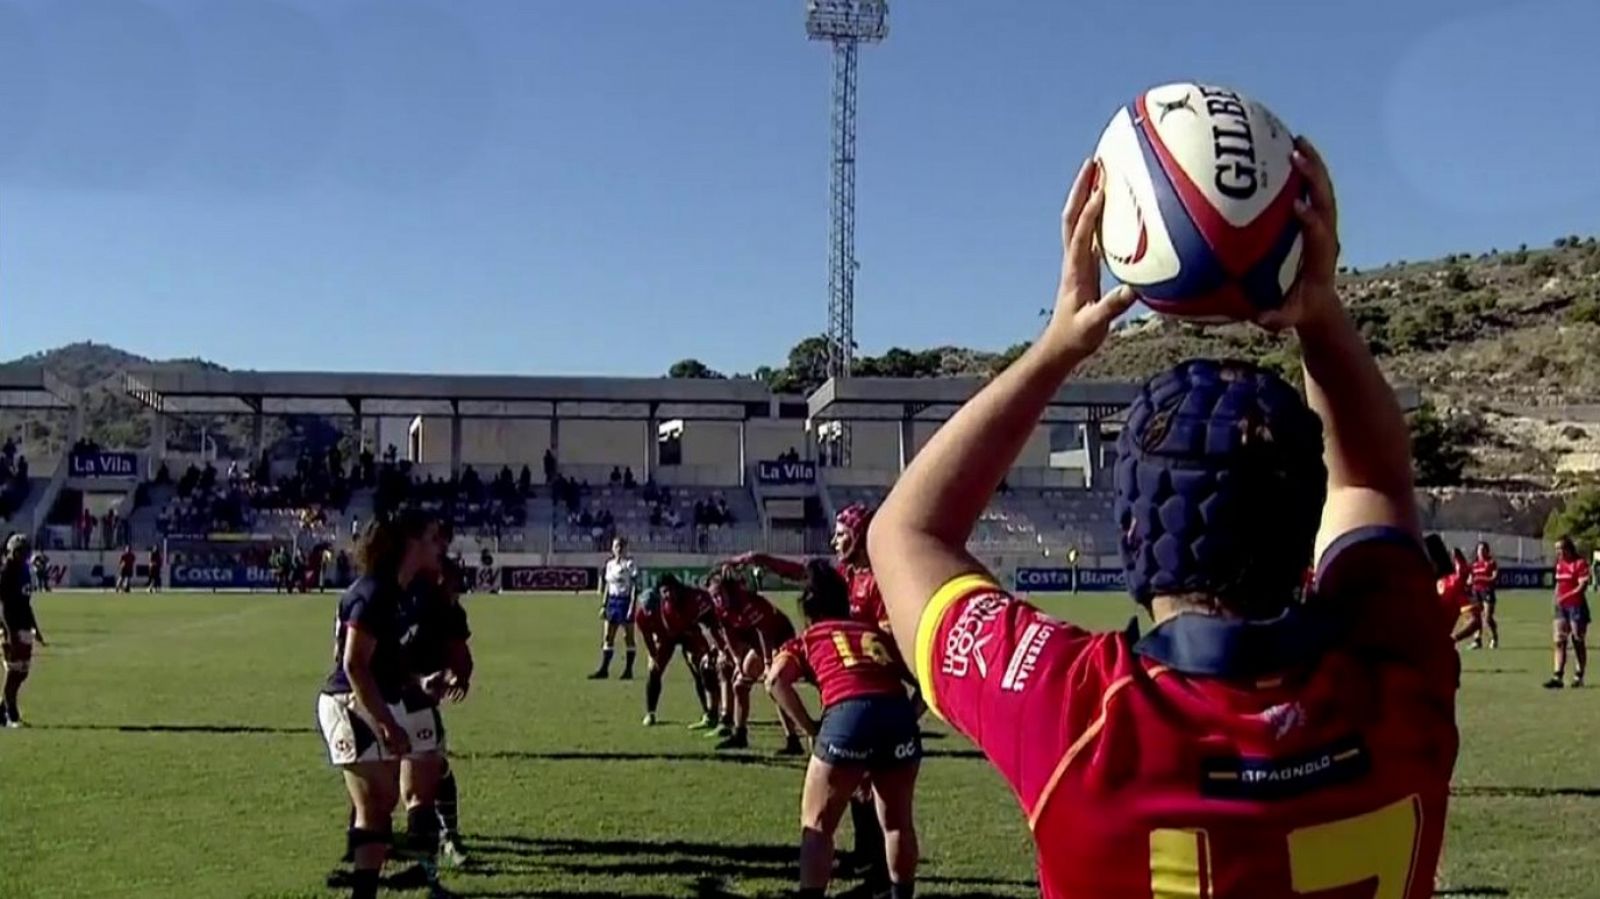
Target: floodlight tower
point(847, 24)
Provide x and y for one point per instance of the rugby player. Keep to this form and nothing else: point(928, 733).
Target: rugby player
point(1453, 584)
point(125, 565)
point(437, 653)
point(366, 722)
point(869, 726)
point(1485, 573)
point(749, 631)
point(1572, 613)
point(850, 554)
point(866, 604)
point(619, 586)
point(670, 619)
point(1248, 745)
point(153, 584)
point(18, 626)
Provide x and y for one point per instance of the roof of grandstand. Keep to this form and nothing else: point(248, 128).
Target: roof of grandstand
point(470, 396)
point(34, 388)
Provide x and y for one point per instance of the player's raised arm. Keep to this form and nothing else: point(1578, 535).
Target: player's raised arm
point(1368, 450)
point(788, 569)
point(917, 541)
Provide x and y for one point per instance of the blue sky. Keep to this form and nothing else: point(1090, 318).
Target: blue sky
point(604, 187)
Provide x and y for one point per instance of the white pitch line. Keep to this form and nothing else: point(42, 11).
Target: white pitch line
point(187, 626)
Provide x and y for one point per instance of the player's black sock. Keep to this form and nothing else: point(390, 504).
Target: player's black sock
point(652, 691)
point(906, 889)
point(448, 804)
point(605, 659)
point(364, 884)
point(627, 664)
point(868, 857)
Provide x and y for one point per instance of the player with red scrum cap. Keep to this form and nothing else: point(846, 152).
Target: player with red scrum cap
point(1248, 745)
point(850, 554)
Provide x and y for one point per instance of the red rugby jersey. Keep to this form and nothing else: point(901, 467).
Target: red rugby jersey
point(1453, 593)
point(847, 659)
point(742, 613)
point(866, 603)
point(1149, 769)
point(1571, 580)
point(1484, 574)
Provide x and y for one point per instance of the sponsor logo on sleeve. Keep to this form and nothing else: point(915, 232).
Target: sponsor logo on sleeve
point(963, 645)
point(1026, 656)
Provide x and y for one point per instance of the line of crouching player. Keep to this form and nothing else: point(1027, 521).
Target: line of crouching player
point(400, 648)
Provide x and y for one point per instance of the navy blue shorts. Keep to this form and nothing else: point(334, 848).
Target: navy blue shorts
point(617, 608)
point(1577, 616)
point(871, 732)
point(1485, 597)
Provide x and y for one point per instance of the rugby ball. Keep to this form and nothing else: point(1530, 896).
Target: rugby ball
point(1199, 203)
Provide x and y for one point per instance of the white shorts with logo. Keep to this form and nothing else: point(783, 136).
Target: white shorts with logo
point(352, 737)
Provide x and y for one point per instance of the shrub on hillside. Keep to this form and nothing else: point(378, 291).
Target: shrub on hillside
point(1439, 446)
point(1544, 267)
point(1578, 518)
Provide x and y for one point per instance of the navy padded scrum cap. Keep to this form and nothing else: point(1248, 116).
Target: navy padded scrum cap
point(1220, 485)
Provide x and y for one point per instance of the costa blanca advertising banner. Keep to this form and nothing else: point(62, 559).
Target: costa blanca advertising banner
point(781, 474)
point(222, 577)
point(104, 465)
point(549, 579)
point(1060, 580)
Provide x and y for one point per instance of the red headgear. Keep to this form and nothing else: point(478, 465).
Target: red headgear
point(854, 518)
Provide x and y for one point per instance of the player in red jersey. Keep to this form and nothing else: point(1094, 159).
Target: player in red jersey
point(1248, 745)
point(749, 631)
point(1485, 573)
point(869, 726)
point(1572, 613)
point(866, 604)
point(670, 619)
point(125, 564)
point(1453, 583)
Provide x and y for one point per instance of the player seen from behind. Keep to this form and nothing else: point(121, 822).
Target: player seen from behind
point(668, 620)
point(153, 578)
point(619, 587)
point(125, 564)
point(869, 726)
point(1485, 573)
point(18, 626)
point(1248, 745)
point(1571, 613)
point(367, 723)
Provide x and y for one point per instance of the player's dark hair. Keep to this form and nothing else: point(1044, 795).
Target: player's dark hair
point(669, 582)
point(1458, 558)
point(1567, 547)
point(1438, 555)
point(382, 546)
point(826, 596)
point(1485, 550)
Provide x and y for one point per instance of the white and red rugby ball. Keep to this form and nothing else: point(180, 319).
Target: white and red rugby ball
point(1199, 213)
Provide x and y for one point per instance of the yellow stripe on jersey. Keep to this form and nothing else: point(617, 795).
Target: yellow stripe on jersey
point(933, 613)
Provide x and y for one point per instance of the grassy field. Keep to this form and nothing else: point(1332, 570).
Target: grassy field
point(172, 754)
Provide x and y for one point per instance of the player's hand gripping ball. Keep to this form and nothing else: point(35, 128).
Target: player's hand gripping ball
point(1199, 210)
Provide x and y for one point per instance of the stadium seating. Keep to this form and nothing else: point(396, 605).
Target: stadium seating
point(654, 520)
point(1026, 520)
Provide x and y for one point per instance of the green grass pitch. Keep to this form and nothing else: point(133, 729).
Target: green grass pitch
point(172, 753)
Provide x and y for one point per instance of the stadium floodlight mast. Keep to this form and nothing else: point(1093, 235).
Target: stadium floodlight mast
point(846, 24)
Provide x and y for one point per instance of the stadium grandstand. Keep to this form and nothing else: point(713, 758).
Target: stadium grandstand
point(544, 471)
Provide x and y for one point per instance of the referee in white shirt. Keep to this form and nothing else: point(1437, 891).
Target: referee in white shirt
point(619, 587)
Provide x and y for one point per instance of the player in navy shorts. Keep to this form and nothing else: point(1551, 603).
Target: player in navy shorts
point(869, 726)
point(19, 628)
point(619, 588)
point(367, 722)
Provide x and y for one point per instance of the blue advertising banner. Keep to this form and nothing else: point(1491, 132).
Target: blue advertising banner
point(222, 577)
point(104, 465)
point(780, 474)
point(1524, 579)
point(1059, 580)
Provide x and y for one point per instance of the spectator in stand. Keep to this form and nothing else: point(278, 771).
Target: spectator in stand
point(616, 476)
point(163, 475)
point(10, 449)
point(525, 482)
point(550, 466)
point(627, 478)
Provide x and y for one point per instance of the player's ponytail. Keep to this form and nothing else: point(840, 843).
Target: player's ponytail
point(382, 547)
point(826, 596)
